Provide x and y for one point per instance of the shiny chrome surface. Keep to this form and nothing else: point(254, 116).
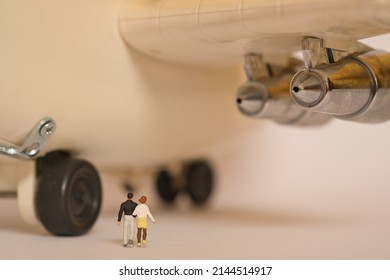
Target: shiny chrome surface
point(266, 95)
point(34, 142)
point(355, 88)
point(318, 51)
point(272, 101)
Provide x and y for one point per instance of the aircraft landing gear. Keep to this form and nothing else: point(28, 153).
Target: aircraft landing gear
point(165, 186)
point(68, 194)
point(61, 192)
point(196, 179)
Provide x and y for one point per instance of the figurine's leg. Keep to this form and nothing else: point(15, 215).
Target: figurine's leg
point(144, 237)
point(132, 230)
point(139, 237)
point(126, 223)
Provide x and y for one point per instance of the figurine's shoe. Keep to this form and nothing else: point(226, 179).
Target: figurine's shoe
point(124, 245)
point(131, 243)
point(144, 243)
point(138, 244)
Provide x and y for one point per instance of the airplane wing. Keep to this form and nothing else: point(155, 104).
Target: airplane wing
point(342, 77)
point(213, 32)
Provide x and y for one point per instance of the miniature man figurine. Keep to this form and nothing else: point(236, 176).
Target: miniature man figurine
point(128, 207)
point(142, 212)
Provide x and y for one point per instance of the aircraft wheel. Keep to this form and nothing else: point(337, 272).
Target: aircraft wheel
point(200, 181)
point(165, 186)
point(69, 194)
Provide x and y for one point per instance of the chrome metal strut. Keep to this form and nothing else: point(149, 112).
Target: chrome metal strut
point(34, 142)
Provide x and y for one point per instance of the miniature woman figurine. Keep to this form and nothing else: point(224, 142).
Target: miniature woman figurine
point(142, 212)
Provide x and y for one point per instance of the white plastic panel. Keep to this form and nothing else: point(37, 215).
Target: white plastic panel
point(219, 32)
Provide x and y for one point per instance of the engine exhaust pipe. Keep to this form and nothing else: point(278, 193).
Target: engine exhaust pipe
point(356, 88)
point(270, 99)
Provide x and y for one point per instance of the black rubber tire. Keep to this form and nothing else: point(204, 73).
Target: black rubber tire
point(69, 194)
point(165, 187)
point(200, 181)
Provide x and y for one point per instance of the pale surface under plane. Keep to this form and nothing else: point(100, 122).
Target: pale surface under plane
point(282, 193)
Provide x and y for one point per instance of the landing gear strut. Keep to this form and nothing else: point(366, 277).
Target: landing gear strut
point(62, 193)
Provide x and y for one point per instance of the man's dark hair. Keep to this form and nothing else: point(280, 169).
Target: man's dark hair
point(130, 195)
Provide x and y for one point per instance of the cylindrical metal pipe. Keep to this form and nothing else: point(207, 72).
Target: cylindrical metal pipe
point(356, 88)
point(270, 99)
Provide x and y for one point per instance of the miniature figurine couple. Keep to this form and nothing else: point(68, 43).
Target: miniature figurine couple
point(134, 214)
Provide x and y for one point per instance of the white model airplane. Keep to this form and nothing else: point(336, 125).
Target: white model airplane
point(129, 83)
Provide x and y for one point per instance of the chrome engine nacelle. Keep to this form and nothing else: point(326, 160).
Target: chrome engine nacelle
point(267, 94)
point(349, 86)
point(356, 88)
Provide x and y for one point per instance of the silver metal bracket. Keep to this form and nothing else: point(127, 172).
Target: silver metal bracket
point(34, 142)
point(255, 68)
point(316, 52)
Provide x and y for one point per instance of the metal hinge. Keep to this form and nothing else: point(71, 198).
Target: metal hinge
point(34, 142)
